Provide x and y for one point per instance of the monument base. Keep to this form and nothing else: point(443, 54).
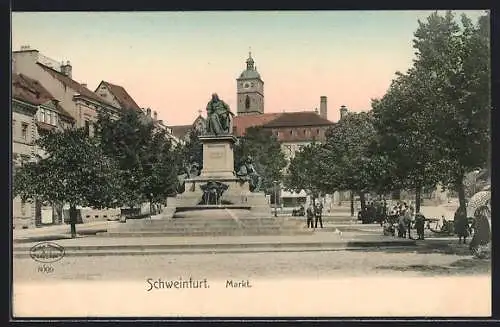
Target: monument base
point(218, 169)
point(218, 156)
point(238, 193)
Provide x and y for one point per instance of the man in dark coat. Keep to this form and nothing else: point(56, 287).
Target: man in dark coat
point(461, 224)
point(310, 216)
point(318, 213)
point(420, 225)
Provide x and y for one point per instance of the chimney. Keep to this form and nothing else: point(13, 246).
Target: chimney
point(343, 111)
point(323, 112)
point(316, 110)
point(148, 112)
point(66, 69)
point(84, 85)
point(155, 115)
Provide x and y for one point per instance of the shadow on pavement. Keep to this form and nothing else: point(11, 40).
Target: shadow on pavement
point(450, 247)
point(459, 267)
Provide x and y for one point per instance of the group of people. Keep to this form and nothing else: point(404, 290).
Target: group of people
point(374, 212)
point(314, 215)
point(401, 217)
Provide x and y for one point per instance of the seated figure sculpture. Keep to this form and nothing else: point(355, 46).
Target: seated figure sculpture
point(219, 117)
point(212, 192)
point(189, 171)
point(247, 172)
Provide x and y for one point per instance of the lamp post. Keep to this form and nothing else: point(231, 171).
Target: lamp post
point(275, 198)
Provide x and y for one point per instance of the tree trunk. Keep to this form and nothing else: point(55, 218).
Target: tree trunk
point(352, 204)
point(461, 193)
point(72, 219)
point(418, 192)
point(362, 200)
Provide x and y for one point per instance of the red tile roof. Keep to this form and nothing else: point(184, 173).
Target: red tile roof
point(79, 88)
point(298, 119)
point(122, 96)
point(31, 91)
point(241, 123)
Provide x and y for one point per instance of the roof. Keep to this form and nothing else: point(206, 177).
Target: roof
point(79, 88)
point(180, 131)
point(241, 123)
point(298, 119)
point(32, 91)
point(249, 73)
point(122, 96)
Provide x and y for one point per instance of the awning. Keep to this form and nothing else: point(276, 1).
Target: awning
point(286, 194)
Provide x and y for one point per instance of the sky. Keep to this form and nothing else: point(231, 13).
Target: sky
point(172, 62)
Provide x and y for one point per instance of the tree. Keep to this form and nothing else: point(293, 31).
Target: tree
point(454, 62)
point(72, 170)
point(305, 171)
point(266, 152)
point(405, 134)
point(349, 159)
point(147, 161)
point(192, 150)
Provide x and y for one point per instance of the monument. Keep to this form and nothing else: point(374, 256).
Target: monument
point(218, 184)
point(215, 199)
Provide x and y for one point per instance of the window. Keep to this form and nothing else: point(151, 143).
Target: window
point(247, 102)
point(317, 131)
point(42, 115)
point(291, 132)
point(24, 131)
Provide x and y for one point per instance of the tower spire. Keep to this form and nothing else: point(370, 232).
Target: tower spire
point(250, 61)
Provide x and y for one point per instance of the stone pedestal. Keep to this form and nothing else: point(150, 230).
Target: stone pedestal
point(218, 166)
point(218, 156)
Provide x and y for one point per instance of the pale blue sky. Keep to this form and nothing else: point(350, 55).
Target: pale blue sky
point(173, 61)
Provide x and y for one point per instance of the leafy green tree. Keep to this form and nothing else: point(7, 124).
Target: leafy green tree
point(266, 152)
point(148, 163)
point(453, 62)
point(305, 171)
point(73, 170)
point(192, 150)
point(349, 159)
point(405, 135)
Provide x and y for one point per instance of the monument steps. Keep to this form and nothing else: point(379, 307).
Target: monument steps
point(203, 226)
point(208, 233)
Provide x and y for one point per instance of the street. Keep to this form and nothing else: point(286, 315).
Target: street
point(374, 282)
point(422, 261)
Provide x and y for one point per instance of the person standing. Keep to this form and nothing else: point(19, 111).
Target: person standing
point(318, 213)
point(401, 225)
point(461, 224)
point(420, 225)
point(310, 216)
point(408, 220)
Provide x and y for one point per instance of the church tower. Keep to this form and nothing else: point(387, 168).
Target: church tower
point(250, 90)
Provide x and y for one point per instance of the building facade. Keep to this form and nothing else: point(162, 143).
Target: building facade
point(34, 111)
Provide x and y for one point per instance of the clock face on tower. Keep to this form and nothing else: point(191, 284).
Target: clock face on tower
point(246, 85)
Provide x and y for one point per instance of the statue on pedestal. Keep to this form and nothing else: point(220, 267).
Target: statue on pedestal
point(219, 117)
point(247, 172)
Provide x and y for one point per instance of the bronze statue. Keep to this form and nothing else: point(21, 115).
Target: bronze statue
point(189, 171)
point(219, 117)
point(247, 172)
point(212, 192)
